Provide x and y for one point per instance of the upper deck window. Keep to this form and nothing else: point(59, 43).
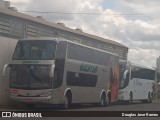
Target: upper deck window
point(35, 50)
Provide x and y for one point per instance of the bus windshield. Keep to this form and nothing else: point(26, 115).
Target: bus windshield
point(30, 77)
point(124, 71)
point(35, 50)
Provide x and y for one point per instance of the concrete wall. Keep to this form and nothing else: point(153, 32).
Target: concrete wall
point(7, 46)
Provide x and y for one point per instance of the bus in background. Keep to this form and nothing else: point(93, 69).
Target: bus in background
point(57, 71)
point(136, 82)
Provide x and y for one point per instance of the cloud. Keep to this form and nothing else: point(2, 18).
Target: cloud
point(19, 1)
point(62, 6)
point(143, 56)
point(20, 4)
point(136, 6)
point(139, 32)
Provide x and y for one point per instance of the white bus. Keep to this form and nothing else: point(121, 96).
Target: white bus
point(136, 82)
point(57, 71)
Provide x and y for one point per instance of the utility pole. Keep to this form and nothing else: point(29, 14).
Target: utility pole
point(157, 72)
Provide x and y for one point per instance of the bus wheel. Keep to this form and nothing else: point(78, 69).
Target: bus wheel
point(130, 98)
point(67, 101)
point(103, 100)
point(109, 99)
point(149, 98)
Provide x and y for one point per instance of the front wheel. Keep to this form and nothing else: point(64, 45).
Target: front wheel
point(130, 99)
point(66, 102)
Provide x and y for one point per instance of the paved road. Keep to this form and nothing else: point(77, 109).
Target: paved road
point(136, 106)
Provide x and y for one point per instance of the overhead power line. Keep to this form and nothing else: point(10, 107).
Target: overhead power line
point(90, 13)
point(62, 12)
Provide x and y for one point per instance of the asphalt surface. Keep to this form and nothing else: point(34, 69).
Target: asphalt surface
point(136, 106)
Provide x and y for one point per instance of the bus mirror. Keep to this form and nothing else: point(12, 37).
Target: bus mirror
point(4, 70)
point(125, 74)
point(51, 72)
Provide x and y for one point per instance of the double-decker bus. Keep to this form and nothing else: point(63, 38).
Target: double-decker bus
point(136, 82)
point(58, 71)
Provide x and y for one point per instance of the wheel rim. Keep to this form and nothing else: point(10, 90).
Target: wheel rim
point(66, 103)
point(130, 100)
point(149, 99)
point(103, 101)
point(107, 101)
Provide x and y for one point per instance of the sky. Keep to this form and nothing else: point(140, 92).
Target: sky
point(134, 23)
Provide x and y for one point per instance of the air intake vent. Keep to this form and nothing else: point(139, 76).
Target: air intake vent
point(40, 17)
point(79, 29)
point(61, 24)
point(13, 8)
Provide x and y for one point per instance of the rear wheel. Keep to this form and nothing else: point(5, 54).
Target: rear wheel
point(149, 98)
point(103, 102)
point(130, 98)
point(109, 98)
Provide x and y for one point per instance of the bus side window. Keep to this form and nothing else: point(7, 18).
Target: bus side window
point(61, 50)
point(127, 76)
point(55, 74)
point(57, 79)
point(126, 79)
point(58, 72)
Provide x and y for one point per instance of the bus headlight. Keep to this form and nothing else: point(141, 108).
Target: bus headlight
point(13, 94)
point(45, 94)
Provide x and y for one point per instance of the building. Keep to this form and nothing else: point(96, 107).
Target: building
point(18, 25)
point(15, 25)
point(158, 64)
point(158, 70)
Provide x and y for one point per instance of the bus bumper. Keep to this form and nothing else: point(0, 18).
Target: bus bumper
point(122, 96)
point(31, 100)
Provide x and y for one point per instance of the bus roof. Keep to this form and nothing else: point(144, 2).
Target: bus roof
point(142, 66)
point(137, 65)
point(41, 38)
point(62, 39)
